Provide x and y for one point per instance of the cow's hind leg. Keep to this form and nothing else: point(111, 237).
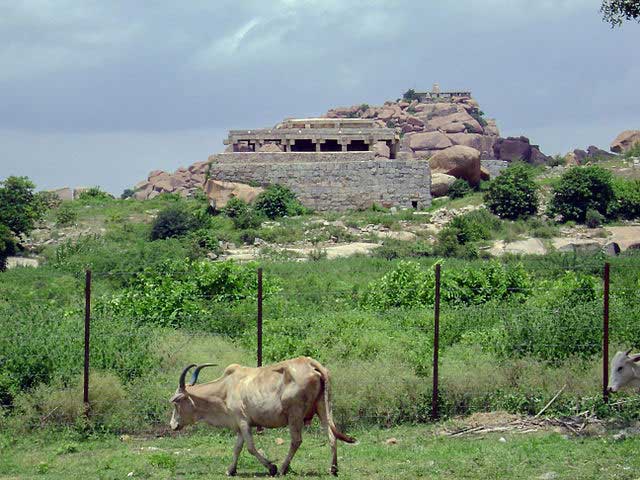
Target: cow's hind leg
point(295, 430)
point(231, 471)
point(324, 419)
point(245, 429)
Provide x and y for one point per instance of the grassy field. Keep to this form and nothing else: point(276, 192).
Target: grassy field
point(418, 453)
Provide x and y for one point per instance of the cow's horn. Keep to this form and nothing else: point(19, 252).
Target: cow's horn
point(196, 372)
point(626, 354)
point(184, 374)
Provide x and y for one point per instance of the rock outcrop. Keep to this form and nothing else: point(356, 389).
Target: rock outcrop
point(624, 141)
point(440, 183)
point(592, 153)
point(513, 149)
point(430, 127)
point(220, 192)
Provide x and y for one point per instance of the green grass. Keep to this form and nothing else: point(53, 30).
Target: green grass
point(418, 453)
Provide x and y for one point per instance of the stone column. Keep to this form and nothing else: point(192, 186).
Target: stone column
point(319, 142)
point(344, 142)
point(287, 145)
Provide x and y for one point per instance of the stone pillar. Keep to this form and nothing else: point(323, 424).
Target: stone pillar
point(344, 142)
point(287, 145)
point(319, 142)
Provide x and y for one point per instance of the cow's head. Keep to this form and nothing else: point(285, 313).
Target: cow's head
point(184, 406)
point(623, 372)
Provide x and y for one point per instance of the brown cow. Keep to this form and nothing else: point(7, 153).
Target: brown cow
point(288, 393)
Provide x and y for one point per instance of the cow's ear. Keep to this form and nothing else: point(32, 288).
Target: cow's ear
point(635, 358)
point(177, 397)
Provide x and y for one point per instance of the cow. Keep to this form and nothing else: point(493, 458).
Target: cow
point(288, 393)
point(625, 371)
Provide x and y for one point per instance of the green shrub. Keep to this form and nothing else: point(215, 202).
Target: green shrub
point(127, 193)
point(410, 95)
point(627, 199)
point(580, 189)
point(556, 161)
point(513, 193)
point(66, 215)
point(7, 246)
point(94, 193)
point(174, 221)
point(593, 218)
point(248, 219)
point(456, 238)
point(235, 207)
point(278, 201)
point(459, 188)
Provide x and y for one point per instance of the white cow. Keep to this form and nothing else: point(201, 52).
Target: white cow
point(625, 371)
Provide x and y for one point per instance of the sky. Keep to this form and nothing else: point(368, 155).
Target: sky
point(102, 92)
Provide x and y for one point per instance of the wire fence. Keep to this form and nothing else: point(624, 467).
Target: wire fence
point(425, 339)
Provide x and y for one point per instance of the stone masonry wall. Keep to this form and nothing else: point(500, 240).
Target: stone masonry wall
point(332, 180)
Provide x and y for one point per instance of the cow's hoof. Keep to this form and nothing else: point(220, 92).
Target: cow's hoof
point(231, 472)
point(334, 470)
point(273, 470)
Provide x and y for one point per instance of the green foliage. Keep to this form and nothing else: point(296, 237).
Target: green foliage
point(593, 218)
point(127, 193)
point(174, 221)
point(278, 201)
point(94, 193)
point(186, 293)
point(627, 199)
point(456, 238)
point(513, 193)
point(615, 12)
point(410, 95)
point(409, 286)
point(66, 215)
point(20, 208)
point(556, 161)
point(580, 189)
point(7, 246)
point(235, 207)
point(459, 188)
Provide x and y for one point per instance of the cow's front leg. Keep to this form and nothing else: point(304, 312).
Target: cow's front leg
point(245, 429)
point(295, 430)
point(231, 471)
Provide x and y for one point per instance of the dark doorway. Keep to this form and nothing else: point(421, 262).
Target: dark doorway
point(303, 145)
point(358, 146)
point(330, 146)
point(414, 204)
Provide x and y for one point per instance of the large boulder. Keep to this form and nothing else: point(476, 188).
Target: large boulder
point(64, 193)
point(428, 141)
point(381, 150)
point(440, 183)
point(513, 149)
point(458, 161)
point(219, 192)
point(625, 141)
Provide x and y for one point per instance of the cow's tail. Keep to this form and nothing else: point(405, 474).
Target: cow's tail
point(326, 394)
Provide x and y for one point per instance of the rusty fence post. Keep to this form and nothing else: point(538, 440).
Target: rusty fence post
point(605, 336)
point(436, 338)
point(259, 325)
point(87, 326)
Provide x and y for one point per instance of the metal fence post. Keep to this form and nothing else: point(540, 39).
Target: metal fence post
point(87, 326)
point(605, 336)
point(436, 338)
point(259, 317)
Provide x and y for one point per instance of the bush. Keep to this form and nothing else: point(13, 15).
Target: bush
point(94, 193)
point(127, 193)
point(634, 151)
point(456, 238)
point(627, 199)
point(174, 221)
point(410, 95)
point(459, 188)
point(235, 207)
point(593, 219)
point(278, 201)
point(66, 215)
point(7, 246)
point(580, 189)
point(514, 193)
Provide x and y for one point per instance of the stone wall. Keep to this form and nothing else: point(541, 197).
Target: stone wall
point(332, 180)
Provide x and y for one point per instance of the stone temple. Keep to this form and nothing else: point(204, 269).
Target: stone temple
point(317, 135)
point(330, 163)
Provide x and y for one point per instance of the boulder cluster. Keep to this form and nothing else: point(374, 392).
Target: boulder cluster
point(427, 128)
point(625, 141)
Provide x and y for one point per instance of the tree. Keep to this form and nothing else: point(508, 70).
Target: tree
point(581, 189)
point(7, 246)
point(617, 11)
point(20, 208)
point(410, 95)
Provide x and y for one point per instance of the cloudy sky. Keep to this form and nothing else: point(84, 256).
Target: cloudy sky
point(102, 92)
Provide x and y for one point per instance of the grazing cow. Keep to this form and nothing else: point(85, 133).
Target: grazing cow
point(625, 371)
point(288, 393)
